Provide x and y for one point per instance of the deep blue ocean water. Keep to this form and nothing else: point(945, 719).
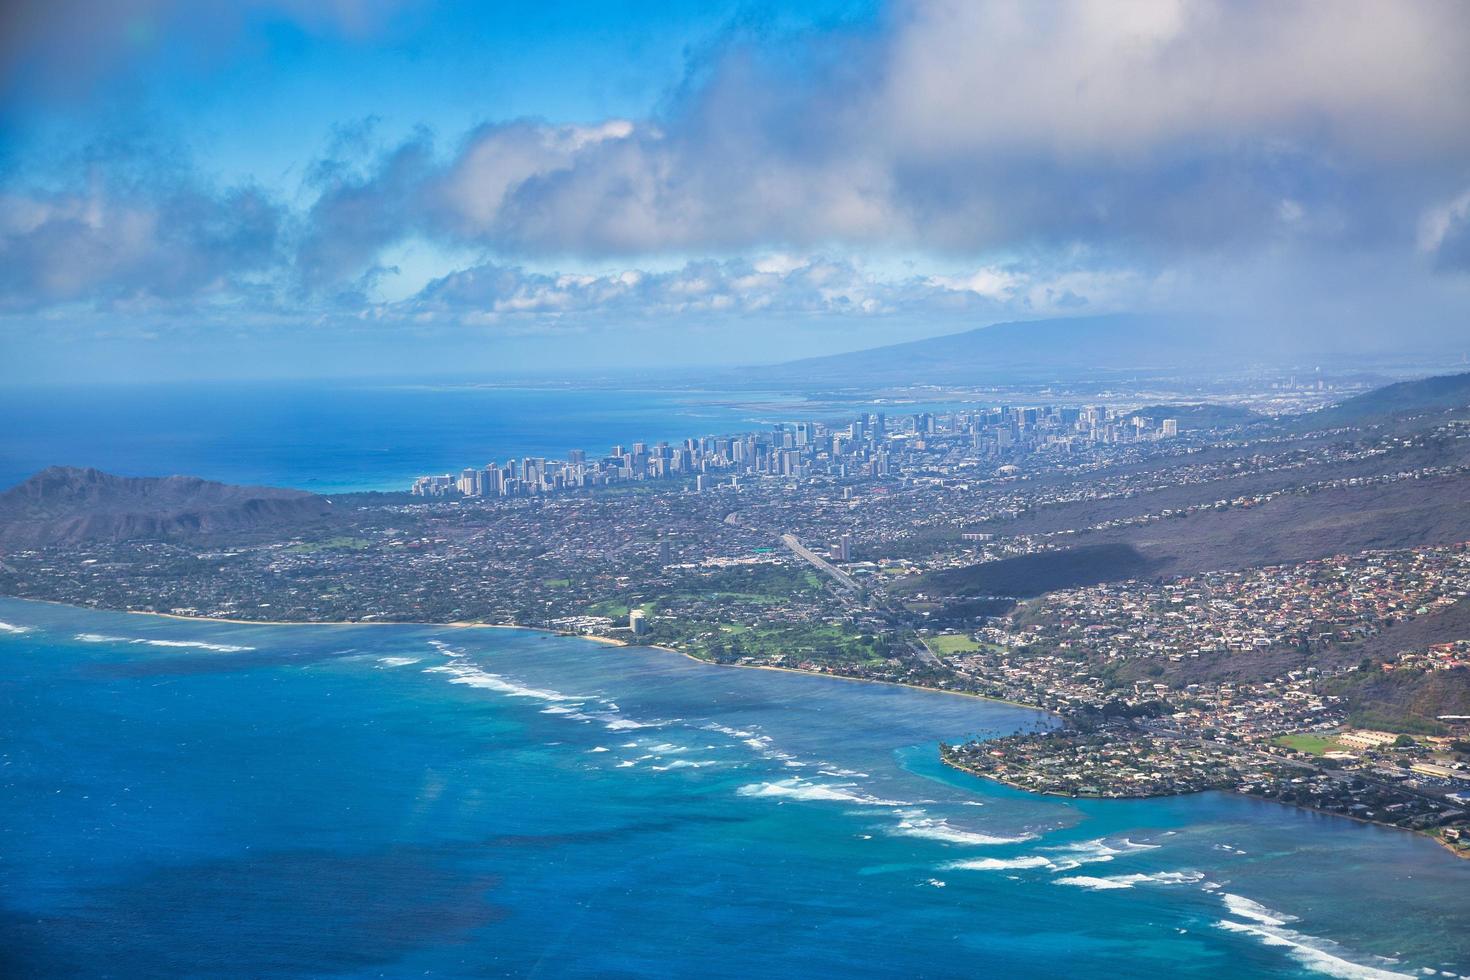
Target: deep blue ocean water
point(335, 436)
point(204, 799)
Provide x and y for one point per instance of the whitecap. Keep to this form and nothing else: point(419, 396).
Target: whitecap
point(195, 645)
point(174, 644)
point(475, 677)
point(12, 628)
point(1255, 911)
point(398, 661)
point(1094, 852)
point(628, 724)
point(600, 748)
point(916, 824)
point(800, 789)
point(1110, 882)
point(1000, 864)
point(1315, 954)
point(715, 726)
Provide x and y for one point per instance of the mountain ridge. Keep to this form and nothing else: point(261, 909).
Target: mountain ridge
point(75, 505)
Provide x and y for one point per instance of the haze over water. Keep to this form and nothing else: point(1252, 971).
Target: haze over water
point(222, 800)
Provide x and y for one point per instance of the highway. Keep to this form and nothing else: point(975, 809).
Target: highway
point(802, 551)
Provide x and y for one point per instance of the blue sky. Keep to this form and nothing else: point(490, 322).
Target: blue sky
point(287, 187)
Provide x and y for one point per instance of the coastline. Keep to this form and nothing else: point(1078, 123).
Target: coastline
point(1461, 853)
point(606, 640)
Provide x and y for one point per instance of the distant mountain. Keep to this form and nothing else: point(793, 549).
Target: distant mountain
point(68, 505)
point(1098, 345)
point(1439, 393)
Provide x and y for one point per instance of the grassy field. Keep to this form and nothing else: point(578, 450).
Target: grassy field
point(818, 642)
point(951, 643)
point(1311, 744)
point(617, 609)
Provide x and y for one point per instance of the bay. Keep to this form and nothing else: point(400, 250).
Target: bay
point(210, 799)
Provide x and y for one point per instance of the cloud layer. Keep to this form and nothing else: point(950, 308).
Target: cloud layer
point(971, 126)
point(1107, 145)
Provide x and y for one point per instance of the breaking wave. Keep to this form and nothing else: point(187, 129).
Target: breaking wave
point(916, 823)
point(1321, 955)
point(801, 789)
point(173, 644)
point(475, 677)
point(1000, 864)
point(1110, 882)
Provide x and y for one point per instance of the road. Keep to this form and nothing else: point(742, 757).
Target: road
point(821, 564)
point(920, 651)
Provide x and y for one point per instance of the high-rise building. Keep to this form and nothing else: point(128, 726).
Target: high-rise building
point(638, 622)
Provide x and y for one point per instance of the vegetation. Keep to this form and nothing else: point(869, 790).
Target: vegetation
point(1404, 700)
point(1202, 415)
point(1310, 744)
point(1422, 395)
point(785, 644)
point(948, 644)
point(1032, 575)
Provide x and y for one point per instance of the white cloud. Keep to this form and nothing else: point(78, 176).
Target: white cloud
point(1444, 232)
point(769, 286)
point(990, 282)
point(1147, 137)
point(1153, 128)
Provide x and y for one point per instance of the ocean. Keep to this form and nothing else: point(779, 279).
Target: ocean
point(331, 437)
point(183, 798)
point(335, 436)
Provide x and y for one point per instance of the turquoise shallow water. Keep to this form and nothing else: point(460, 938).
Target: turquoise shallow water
point(183, 798)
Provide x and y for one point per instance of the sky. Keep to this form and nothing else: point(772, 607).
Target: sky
point(289, 188)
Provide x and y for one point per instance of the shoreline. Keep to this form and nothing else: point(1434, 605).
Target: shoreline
point(1461, 853)
point(606, 640)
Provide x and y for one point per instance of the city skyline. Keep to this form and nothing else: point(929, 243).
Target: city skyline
point(866, 448)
